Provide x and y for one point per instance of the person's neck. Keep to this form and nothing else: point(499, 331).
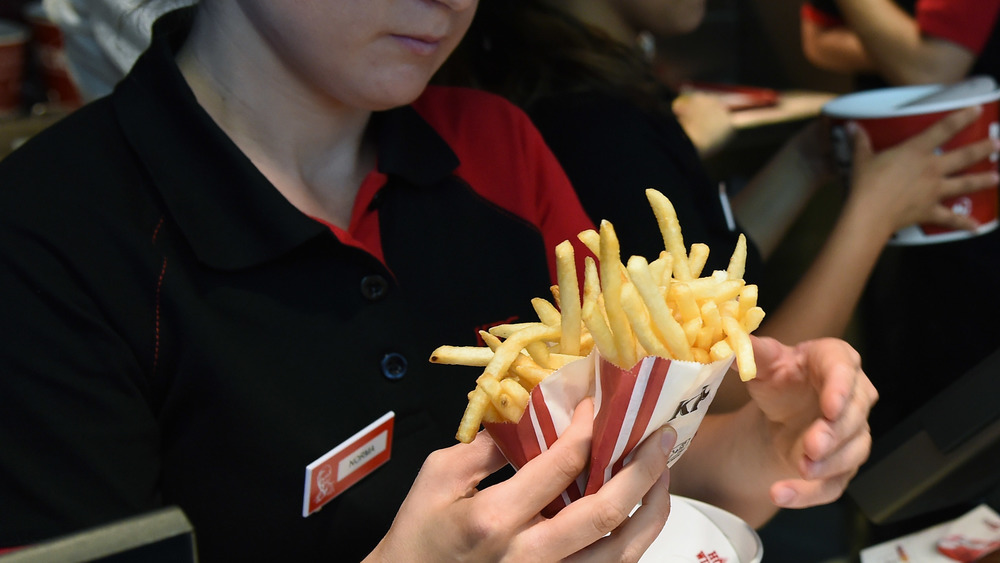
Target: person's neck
point(311, 147)
point(601, 15)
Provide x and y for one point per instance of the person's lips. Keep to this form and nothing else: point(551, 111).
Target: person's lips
point(419, 44)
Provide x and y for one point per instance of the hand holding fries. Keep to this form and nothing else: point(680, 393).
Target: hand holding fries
point(445, 517)
point(662, 308)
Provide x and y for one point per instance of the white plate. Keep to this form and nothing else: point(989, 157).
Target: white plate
point(696, 532)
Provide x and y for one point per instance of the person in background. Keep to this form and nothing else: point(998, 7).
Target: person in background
point(910, 42)
point(941, 42)
point(581, 75)
point(830, 45)
point(245, 255)
point(103, 38)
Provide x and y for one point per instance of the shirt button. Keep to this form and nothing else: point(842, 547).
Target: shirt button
point(393, 366)
point(374, 287)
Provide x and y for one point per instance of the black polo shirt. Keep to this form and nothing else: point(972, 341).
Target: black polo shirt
point(613, 150)
point(176, 332)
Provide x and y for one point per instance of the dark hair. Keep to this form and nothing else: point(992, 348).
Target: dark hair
point(525, 50)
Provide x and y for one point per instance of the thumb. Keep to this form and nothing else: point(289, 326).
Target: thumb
point(863, 151)
point(766, 352)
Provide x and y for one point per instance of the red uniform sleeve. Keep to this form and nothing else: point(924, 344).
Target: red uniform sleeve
point(506, 161)
point(965, 22)
point(811, 13)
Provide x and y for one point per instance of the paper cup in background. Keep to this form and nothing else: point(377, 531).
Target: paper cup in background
point(891, 115)
point(13, 40)
point(50, 55)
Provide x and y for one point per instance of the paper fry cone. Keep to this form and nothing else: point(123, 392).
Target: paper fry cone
point(628, 406)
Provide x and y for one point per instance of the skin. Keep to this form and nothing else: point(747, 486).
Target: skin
point(502, 522)
point(836, 49)
point(893, 45)
point(309, 141)
point(796, 444)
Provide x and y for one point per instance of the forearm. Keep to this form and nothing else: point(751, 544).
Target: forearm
point(895, 45)
point(768, 206)
point(822, 302)
point(836, 49)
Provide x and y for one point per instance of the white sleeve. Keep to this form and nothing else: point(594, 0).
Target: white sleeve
point(103, 38)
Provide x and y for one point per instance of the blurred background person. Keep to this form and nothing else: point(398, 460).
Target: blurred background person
point(582, 74)
point(903, 41)
point(927, 314)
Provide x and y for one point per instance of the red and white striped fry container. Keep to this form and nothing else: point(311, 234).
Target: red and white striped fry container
point(629, 405)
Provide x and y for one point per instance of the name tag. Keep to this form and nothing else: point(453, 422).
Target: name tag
point(346, 464)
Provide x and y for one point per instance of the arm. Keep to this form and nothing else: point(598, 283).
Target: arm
point(900, 51)
point(835, 48)
point(897, 187)
point(446, 516)
point(796, 444)
point(770, 203)
point(79, 444)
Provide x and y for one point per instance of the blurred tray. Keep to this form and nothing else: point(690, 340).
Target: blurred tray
point(735, 97)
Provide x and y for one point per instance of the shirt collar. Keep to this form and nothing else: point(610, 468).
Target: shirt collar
point(230, 214)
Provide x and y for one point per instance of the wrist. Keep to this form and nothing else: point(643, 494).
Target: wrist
point(865, 221)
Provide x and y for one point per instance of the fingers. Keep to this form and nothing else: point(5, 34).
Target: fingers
point(944, 217)
point(962, 157)
point(844, 457)
point(824, 481)
point(767, 352)
point(464, 465)
point(546, 476)
point(836, 368)
point(631, 540)
point(946, 128)
point(803, 494)
point(863, 151)
point(825, 441)
point(968, 183)
point(592, 517)
point(834, 446)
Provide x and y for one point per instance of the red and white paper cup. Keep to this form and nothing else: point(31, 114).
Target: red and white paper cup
point(891, 115)
point(629, 405)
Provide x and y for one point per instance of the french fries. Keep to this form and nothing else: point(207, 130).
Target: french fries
point(626, 310)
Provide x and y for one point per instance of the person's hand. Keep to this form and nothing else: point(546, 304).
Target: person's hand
point(706, 121)
point(905, 184)
point(445, 517)
point(815, 401)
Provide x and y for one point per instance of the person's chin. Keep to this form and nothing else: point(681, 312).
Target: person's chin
point(403, 89)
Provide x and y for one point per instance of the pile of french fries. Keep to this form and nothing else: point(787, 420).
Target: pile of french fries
point(626, 310)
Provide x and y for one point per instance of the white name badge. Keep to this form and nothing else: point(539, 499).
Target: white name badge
point(345, 465)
